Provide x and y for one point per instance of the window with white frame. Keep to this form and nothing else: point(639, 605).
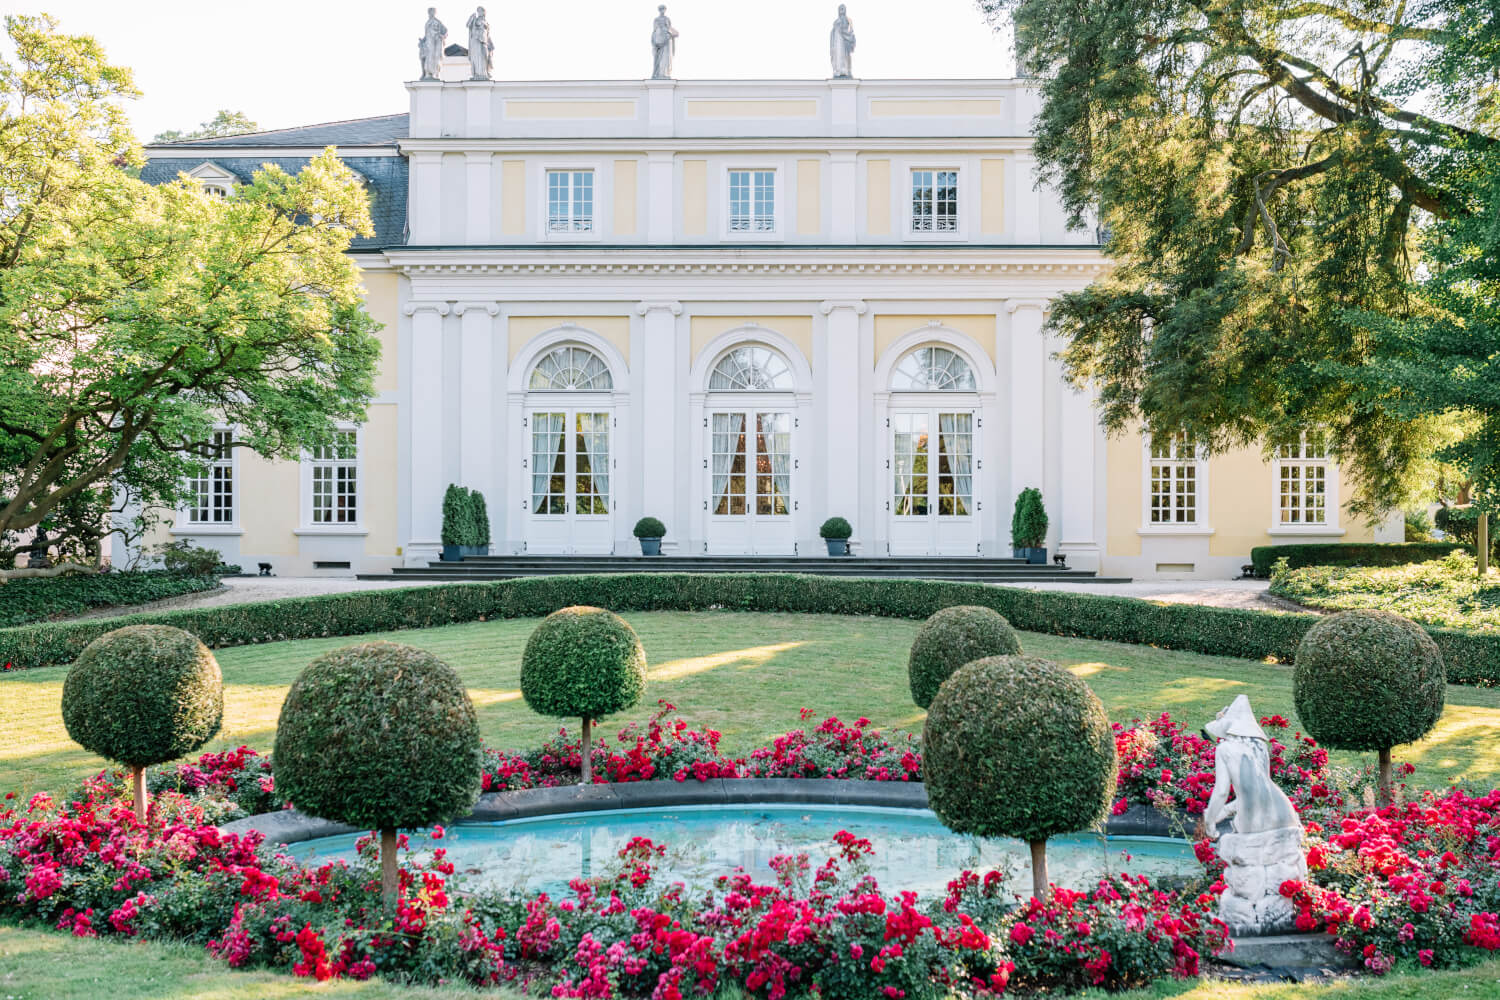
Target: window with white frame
point(1174, 481)
point(1302, 481)
point(212, 490)
point(934, 201)
point(335, 480)
point(752, 201)
point(570, 201)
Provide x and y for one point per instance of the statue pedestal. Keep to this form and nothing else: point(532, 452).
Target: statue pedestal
point(1258, 863)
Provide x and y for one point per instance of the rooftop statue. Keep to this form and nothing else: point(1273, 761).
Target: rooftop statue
point(841, 45)
point(430, 46)
point(481, 48)
point(1263, 846)
point(663, 45)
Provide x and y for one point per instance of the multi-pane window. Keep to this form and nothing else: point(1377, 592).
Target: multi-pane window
point(752, 201)
point(213, 488)
point(934, 201)
point(1174, 480)
point(909, 464)
point(570, 201)
point(335, 480)
point(1302, 480)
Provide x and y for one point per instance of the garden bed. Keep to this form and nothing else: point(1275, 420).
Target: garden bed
point(1441, 593)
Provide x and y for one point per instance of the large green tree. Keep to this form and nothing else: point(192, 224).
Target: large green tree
point(134, 317)
point(1261, 170)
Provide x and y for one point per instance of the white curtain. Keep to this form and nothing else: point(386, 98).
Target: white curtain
point(728, 441)
point(776, 439)
point(548, 441)
point(593, 439)
point(956, 436)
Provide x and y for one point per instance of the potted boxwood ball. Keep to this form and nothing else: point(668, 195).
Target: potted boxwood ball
point(1028, 527)
point(836, 532)
point(650, 532)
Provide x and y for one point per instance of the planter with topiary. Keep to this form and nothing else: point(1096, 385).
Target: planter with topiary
point(1028, 527)
point(951, 638)
point(1368, 680)
point(478, 542)
point(1016, 746)
point(836, 533)
point(143, 695)
point(649, 532)
point(380, 736)
point(583, 663)
point(457, 522)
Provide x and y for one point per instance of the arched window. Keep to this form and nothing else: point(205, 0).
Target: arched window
point(933, 369)
point(572, 367)
point(751, 368)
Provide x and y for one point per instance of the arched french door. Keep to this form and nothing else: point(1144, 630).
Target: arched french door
point(569, 423)
point(932, 482)
point(750, 417)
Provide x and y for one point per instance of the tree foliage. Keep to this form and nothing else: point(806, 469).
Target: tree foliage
point(225, 122)
point(1260, 170)
point(134, 317)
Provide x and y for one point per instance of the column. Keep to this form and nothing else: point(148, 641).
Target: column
point(425, 197)
point(658, 417)
point(1077, 536)
point(840, 385)
point(477, 211)
point(843, 117)
point(661, 199)
point(477, 108)
point(843, 189)
point(425, 406)
point(476, 393)
point(1028, 371)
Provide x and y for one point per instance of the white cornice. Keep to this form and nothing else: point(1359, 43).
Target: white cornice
point(693, 144)
point(254, 152)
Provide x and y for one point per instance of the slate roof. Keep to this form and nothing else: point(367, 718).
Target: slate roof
point(385, 176)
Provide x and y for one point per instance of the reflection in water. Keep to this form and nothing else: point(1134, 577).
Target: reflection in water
point(912, 849)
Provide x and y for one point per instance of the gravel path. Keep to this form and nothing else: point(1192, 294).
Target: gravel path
point(239, 590)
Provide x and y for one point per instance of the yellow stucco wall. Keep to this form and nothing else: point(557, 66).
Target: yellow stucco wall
point(878, 197)
point(809, 197)
point(751, 109)
point(695, 197)
point(270, 498)
point(518, 109)
point(381, 295)
point(625, 197)
point(991, 195)
point(939, 107)
point(797, 329)
point(615, 329)
point(513, 198)
point(378, 491)
point(889, 329)
point(1123, 471)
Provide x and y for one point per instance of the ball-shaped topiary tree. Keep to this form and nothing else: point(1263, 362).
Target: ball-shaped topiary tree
point(380, 736)
point(583, 662)
point(949, 639)
point(1368, 680)
point(143, 695)
point(1016, 746)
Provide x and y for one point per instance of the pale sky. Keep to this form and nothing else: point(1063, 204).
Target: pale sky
point(297, 62)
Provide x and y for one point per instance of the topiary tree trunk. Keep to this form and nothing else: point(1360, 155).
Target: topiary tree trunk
point(1039, 869)
point(390, 881)
point(1386, 794)
point(138, 783)
point(588, 751)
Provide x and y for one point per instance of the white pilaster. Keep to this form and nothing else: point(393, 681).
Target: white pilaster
point(1027, 201)
point(425, 197)
point(844, 185)
point(659, 396)
point(477, 196)
point(426, 109)
point(840, 385)
point(476, 396)
point(661, 110)
point(844, 115)
point(477, 108)
point(1028, 370)
point(661, 198)
point(427, 482)
point(1080, 433)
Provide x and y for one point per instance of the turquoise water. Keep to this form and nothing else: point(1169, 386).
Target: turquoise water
point(912, 849)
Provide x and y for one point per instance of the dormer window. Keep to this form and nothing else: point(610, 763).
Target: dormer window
point(215, 181)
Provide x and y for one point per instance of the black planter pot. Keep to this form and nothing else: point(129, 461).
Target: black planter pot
point(476, 550)
point(453, 553)
point(1033, 556)
point(650, 546)
point(837, 546)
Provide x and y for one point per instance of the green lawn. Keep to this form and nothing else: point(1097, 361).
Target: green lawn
point(46, 965)
point(746, 675)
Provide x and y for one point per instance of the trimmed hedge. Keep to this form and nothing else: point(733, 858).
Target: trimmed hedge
point(1471, 658)
point(1263, 557)
point(37, 599)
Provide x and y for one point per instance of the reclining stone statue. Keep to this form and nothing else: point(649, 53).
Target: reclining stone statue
point(1263, 845)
